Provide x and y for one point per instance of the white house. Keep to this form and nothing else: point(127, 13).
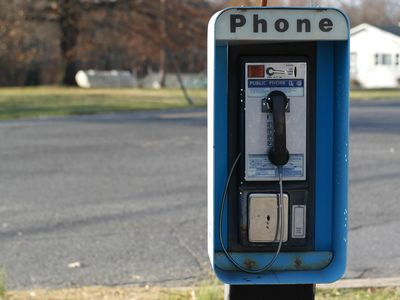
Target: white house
point(375, 56)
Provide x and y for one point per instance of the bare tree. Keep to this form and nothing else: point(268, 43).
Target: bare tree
point(104, 34)
point(68, 20)
point(18, 46)
point(163, 39)
point(147, 27)
point(383, 12)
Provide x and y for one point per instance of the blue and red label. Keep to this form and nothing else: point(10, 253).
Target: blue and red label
point(276, 83)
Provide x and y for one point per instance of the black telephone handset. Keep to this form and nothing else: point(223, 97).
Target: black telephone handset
point(277, 103)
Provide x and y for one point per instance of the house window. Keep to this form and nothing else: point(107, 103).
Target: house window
point(386, 59)
point(397, 59)
point(383, 59)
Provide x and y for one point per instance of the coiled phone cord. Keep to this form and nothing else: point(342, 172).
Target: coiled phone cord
point(280, 222)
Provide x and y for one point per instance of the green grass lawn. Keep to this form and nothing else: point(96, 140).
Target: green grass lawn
point(375, 94)
point(213, 292)
point(359, 294)
point(57, 101)
point(2, 285)
point(33, 102)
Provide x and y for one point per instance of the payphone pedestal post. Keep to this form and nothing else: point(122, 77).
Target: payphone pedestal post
point(266, 292)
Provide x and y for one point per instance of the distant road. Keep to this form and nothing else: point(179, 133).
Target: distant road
point(374, 189)
point(124, 198)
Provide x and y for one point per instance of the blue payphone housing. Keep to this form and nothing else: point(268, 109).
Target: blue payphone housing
point(255, 53)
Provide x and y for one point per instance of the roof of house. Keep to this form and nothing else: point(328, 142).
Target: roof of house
point(392, 29)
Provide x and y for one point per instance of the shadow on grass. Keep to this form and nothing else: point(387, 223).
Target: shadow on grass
point(23, 111)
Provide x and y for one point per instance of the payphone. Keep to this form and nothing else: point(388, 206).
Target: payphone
point(275, 141)
point(272, 176)
point(277, 144)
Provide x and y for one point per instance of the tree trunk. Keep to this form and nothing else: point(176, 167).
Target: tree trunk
point(68, 22)
point(163, 39)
